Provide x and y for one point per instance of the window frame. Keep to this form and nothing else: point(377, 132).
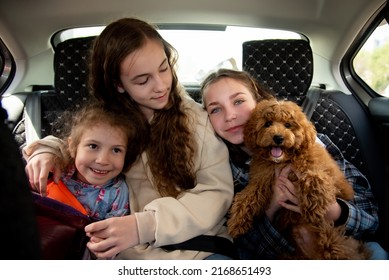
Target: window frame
point(7, 67)
point(351, 79)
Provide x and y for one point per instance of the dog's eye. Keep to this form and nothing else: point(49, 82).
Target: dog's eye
point(268, 123)
point(288, 125)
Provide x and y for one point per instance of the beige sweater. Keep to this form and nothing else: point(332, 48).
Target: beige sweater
point(166, 220)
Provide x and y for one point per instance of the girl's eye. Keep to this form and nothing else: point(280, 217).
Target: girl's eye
point(143, 82)
point(268, 123)
point(214, 110)
point(165, 66)
point(92, 146)
point(238, 102)
point(117, 150)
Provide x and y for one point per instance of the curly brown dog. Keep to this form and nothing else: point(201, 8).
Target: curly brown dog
point(278, 133)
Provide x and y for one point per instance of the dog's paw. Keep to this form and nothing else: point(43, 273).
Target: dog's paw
point(240, 218)
point(314, 198)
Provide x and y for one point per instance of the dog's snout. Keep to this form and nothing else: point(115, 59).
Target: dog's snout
point(278, 139)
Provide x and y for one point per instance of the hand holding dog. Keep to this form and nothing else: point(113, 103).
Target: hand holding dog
point(283, 193)
point(284, 196)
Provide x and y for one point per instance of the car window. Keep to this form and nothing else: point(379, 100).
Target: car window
point(371, 63)
point(7, 67)
point(201, 48)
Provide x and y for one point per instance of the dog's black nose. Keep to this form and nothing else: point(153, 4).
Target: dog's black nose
point(278, 139)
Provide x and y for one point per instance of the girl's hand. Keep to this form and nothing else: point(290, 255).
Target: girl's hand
point(283, 193)
point(288, 199)
point(333, 210)
point(111, 236)
point(38, 169)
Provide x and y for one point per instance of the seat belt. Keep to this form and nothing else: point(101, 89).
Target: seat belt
point(32, 117)
point(310, 101)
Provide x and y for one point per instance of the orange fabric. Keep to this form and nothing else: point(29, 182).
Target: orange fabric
point(61, 193)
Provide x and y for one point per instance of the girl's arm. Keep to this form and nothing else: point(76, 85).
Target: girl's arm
point(44, 156)
point(360, 216)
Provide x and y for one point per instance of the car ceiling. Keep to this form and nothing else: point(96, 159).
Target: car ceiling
point(26, 26)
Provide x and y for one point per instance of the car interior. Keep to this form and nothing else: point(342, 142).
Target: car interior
point(44, 72)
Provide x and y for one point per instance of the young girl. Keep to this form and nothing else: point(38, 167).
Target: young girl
point(101, 147)
point(229, 97)
point(181, 187)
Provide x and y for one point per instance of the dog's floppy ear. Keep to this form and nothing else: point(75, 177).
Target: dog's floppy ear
point(308, 126)
point(311, 133)
point(255, 122)
point(250, 129)
point(305, 131)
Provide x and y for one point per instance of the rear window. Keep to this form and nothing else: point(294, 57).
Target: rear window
point(201, 49)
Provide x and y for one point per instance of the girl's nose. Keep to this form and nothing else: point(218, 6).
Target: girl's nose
point(102, 158)
point(230, 115)
point(159, 84)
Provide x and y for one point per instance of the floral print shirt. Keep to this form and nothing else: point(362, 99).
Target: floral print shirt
point(100, 202)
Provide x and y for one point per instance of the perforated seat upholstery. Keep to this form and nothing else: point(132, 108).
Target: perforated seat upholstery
point(283, 66)
point(331, 119)
point(71, 63)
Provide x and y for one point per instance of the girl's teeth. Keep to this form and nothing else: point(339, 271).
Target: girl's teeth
point(100, 171)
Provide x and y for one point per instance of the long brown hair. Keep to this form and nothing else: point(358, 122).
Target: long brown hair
point(170, 146)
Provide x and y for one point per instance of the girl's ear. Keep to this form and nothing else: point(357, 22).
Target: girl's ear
point(119, 88)
point(72, 150)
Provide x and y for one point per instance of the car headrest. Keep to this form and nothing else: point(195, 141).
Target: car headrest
point(71, 63)
point(283, 66)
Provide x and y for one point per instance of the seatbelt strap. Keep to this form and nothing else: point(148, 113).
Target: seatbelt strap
point(310, 101)
point(32, 117)
point(206, 243)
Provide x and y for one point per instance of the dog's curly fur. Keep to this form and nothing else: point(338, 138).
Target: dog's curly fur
point(278, 133)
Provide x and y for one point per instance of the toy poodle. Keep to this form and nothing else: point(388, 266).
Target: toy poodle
point(278, 133)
